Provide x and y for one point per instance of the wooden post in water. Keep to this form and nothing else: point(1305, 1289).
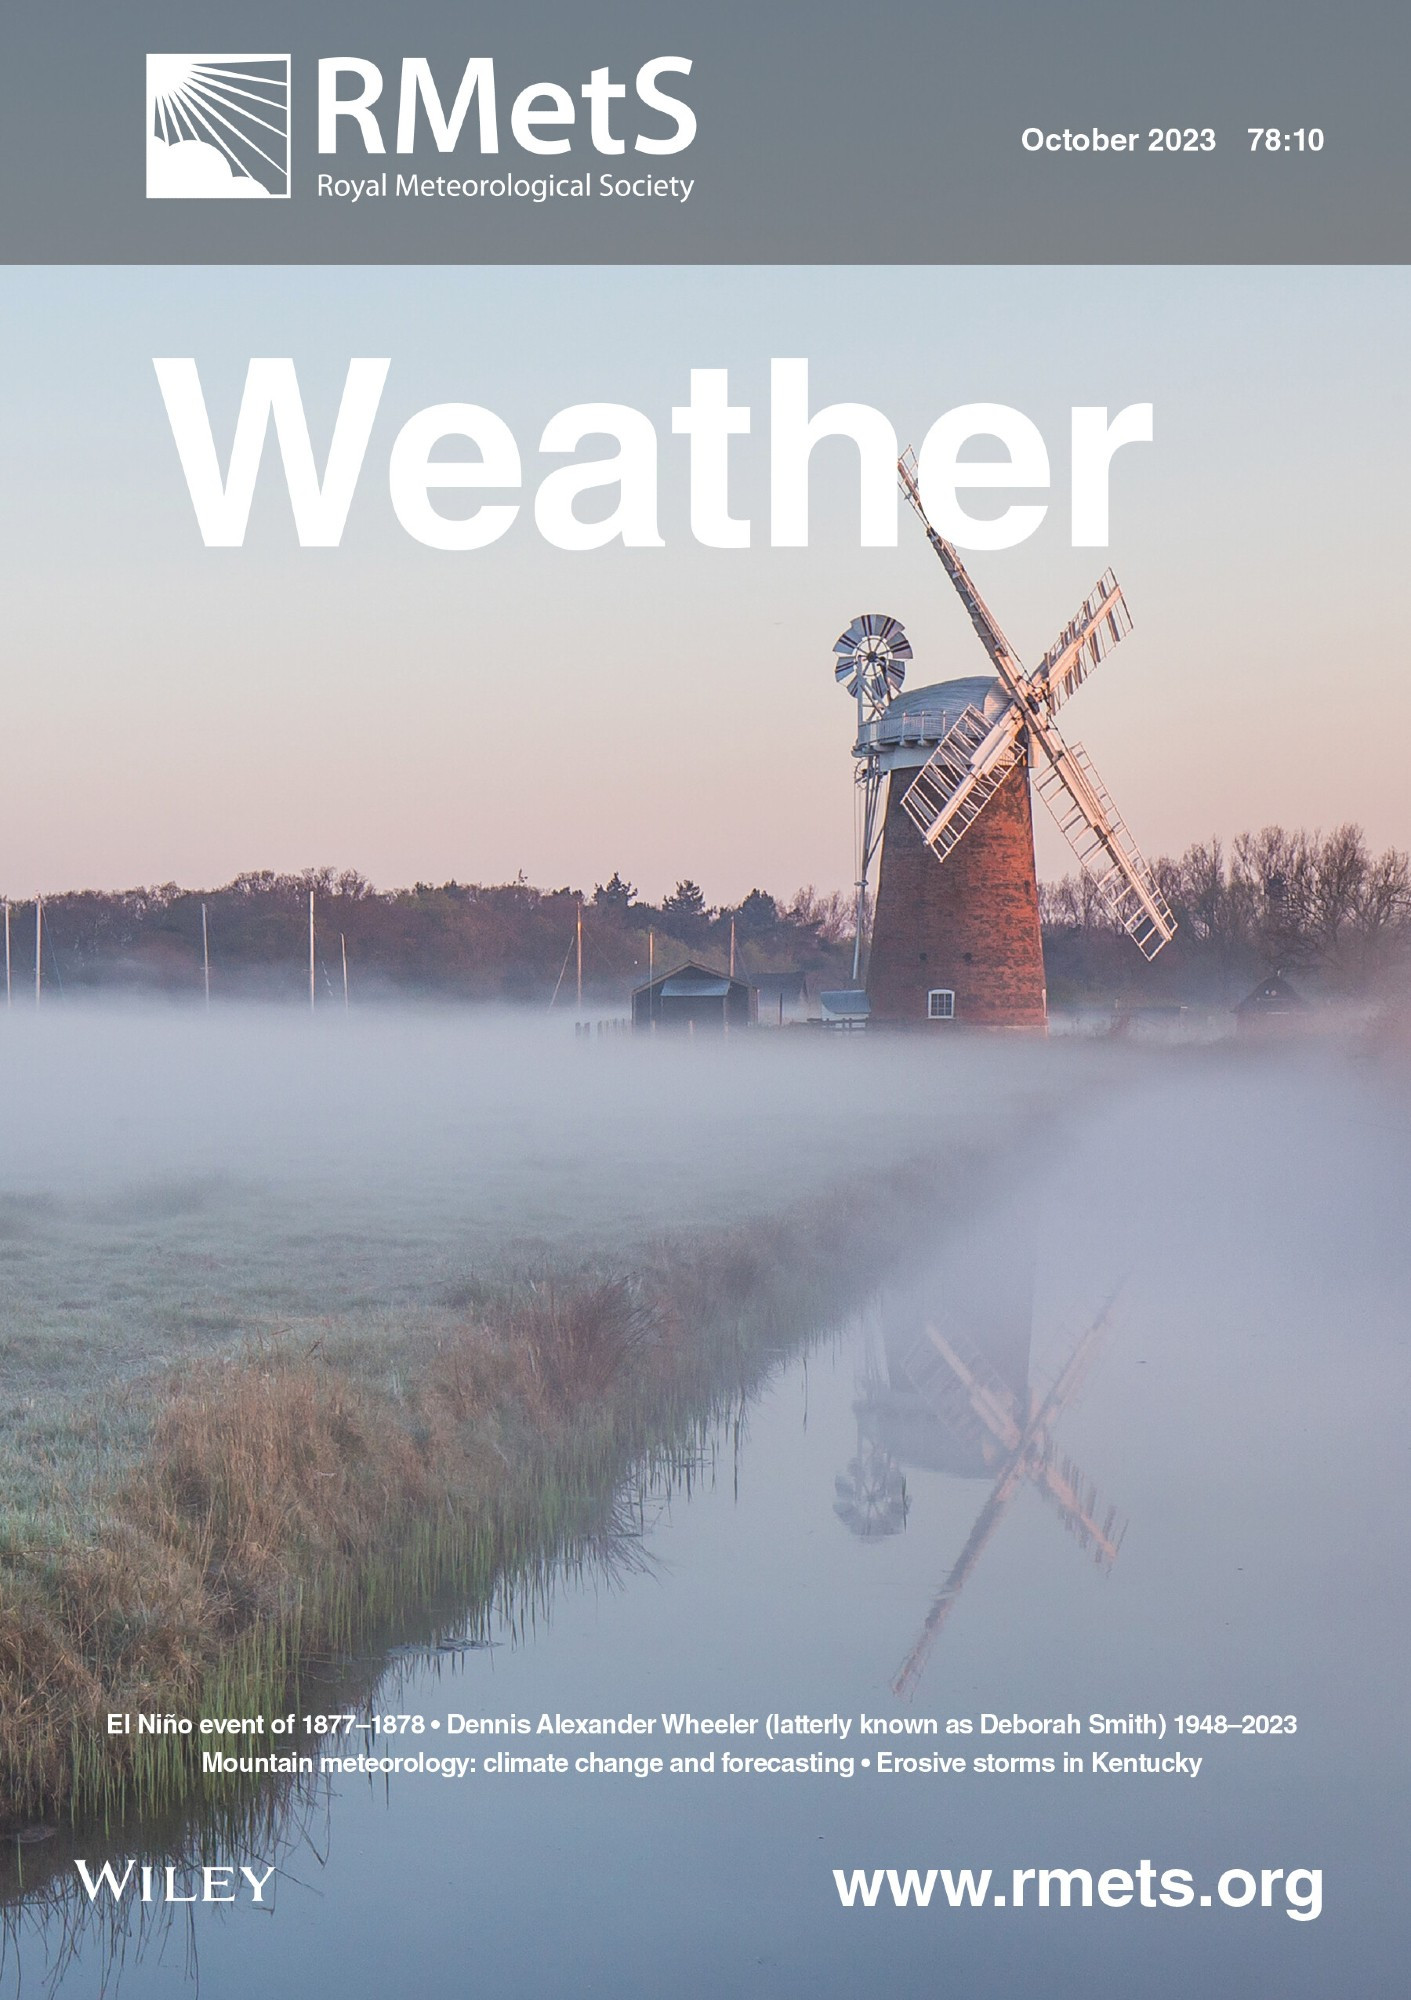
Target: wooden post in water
point(38, 948)
point(7, 955)
point(343, 947)
point(205, 955)
point(311, 951)
point(732, 947)
point(580, 954)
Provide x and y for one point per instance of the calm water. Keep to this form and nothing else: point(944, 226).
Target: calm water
point(1244, 1413)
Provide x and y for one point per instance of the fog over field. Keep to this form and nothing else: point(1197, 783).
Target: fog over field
point(175, 1182)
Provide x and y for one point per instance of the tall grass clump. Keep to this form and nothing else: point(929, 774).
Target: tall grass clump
point(287, 1513)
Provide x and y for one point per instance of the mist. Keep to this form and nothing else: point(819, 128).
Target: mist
point(177, 1185)
point(172, 1179)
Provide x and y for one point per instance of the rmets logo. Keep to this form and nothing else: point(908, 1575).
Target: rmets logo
point(217, 128)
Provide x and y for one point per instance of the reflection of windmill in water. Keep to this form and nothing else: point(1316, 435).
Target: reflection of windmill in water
point(955, 1397)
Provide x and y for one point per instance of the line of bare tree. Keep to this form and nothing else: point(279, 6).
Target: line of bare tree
point(506, 941)
point(1323, 907)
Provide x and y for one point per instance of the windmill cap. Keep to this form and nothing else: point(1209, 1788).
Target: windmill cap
point(910, 727)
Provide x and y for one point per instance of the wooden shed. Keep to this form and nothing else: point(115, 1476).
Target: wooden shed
point(694, 997)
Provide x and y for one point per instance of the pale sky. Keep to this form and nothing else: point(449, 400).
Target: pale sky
point(173, 712)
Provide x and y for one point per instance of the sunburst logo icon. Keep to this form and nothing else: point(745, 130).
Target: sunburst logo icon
point(217, 128)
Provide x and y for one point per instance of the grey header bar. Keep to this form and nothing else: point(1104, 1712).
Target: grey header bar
point(826, 134)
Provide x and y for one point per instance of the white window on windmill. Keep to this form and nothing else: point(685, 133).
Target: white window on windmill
point(940, 1004)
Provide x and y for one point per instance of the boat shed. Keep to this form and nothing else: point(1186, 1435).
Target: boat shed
point(694, 997)
point(1272, 1008)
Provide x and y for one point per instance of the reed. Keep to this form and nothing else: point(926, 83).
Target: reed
point(286, 1517)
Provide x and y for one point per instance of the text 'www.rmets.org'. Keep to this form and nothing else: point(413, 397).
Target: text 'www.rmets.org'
point(1298, 1892)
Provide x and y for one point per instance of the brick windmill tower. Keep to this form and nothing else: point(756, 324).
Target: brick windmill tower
point(955, 936)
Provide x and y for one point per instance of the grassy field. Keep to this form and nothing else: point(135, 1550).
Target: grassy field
point(176, 1187)
point(311, 1326)
point(304, 1320)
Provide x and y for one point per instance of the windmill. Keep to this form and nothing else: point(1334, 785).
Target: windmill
point(871, 663)
point(963, 942)
point(1015, 1434)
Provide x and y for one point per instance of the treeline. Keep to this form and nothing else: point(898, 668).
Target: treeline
point(1322, 908)
point(506, 941)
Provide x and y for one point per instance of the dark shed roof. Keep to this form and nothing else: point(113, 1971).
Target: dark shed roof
point(1273, 995)
point(693, 981)
point(695, 986)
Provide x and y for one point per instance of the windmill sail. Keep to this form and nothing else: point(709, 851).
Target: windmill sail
point(1003, 657)
point(1064, 1486)
point(968, 767)
point(1106, 851)
point(963, 772)
point(958, 1385)
point(944, 1602)
point(1101, 622)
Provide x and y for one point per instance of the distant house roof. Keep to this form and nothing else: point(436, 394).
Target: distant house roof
point(693, 981)
point(1273, 995)
point(695, 986)
point(853, 1001)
